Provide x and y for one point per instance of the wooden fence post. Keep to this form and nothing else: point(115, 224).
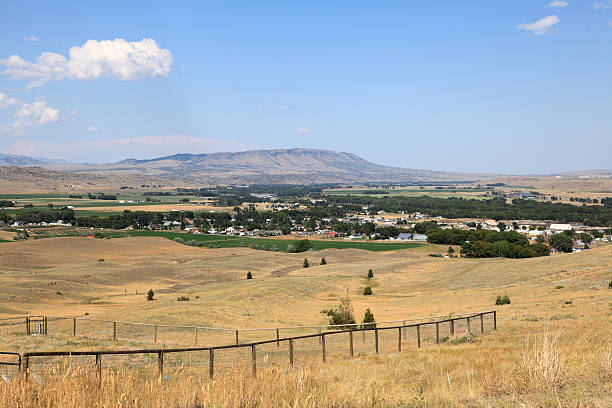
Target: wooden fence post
point(27, 321)
point(196, 336)
point(481, 324)
point(155, 339)
point(452, 327)
point(469, 328)
point(26, 367)
point(254, 358)
point(114, 331)
point(399, 339)
point(437, 333)
point(351, 342)
point(323, 346)
point(418, 335)
point(74, 327)
point(45, 323)
point(277, 338)
point(495, 320)
point(291, 352)
point(160, 364)
point(319, 330)
point(99, 366)
point(376, 339)
point(237, 341)
point(211, 362)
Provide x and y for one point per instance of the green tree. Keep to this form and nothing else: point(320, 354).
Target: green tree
point(302, 245)
point(451, 251)
point(561, 242)
point(323, 261)
point(367, 291)
point(370, 274)
point(368, 320)
point(306, 264)
point(586, 238)
point(501, 226)
point(249, 275)
point(342, 314)
point(150, 295)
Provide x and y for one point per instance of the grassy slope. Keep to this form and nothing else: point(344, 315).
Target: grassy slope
point(514, 366)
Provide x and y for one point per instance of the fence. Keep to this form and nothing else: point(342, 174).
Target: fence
point(293, 351)
point(182, 335)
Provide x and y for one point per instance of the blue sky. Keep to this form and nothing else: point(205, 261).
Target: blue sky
point(487, 86)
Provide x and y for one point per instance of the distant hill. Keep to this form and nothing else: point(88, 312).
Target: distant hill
point(270, 166)
point(21, 161)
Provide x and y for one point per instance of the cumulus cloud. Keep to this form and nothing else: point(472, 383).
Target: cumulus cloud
point(304, 130)
point(6, 100)
point(27, 114)
point(602, 5)
point(92, 129)
point(558, 3)
point(31, 38)
point(541, 26)
point(119, 59)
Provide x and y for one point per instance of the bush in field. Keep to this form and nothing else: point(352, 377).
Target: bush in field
point(193, 242)
point(368, 320)
point(290, 248)
point(150, 295)
point(183, 299)
point(323, 261)
point(502, 300)
point(367, 291)
point(306, 264)
point(249, 275)
point(342, 314)
point(179, 240)
point(370, 274)
point(610, 285)
point(302, 245)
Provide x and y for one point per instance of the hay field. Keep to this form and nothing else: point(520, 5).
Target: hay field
point(552, 347)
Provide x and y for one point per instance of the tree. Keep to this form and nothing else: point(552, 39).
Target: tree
point(302, 245)
point(370, 274)
point(586, 238)
point(561, 242)
point(150, 295)
point(249, 275)
point(367, 291)
point(342, 314)
point(306, 264)
point(501, 226)
point(451, 251)
point(323, 261)
point(368, 320)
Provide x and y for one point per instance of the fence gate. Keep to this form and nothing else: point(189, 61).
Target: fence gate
point(10, 365)
point(36, 325)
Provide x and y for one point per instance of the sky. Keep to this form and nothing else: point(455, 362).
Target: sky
point(515, 87)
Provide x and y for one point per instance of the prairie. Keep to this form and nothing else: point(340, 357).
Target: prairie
point(551, 348)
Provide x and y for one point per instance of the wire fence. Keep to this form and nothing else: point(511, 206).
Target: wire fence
point(180, 335)
point(291, 351)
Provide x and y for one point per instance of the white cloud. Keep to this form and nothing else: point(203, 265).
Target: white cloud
point(541, 26)
point(31, 38)
point(120, 59)
point(7, 100)
point(304, 130)
point(558, 3)
point(284, 107)
point(27, 114)
point(93, 129)
point(602, 5)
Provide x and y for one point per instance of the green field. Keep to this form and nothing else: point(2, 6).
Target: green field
point(268, 243)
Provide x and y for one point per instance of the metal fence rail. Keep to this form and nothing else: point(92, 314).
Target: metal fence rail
point(295, 350)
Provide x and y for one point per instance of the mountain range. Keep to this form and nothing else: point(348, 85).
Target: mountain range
point(296, 166)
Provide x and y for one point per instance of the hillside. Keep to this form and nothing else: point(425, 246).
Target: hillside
point(267, 166)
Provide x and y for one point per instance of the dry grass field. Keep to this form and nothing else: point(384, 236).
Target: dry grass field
point(552, 347)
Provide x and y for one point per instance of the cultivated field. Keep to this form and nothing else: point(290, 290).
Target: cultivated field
point(552, 347)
